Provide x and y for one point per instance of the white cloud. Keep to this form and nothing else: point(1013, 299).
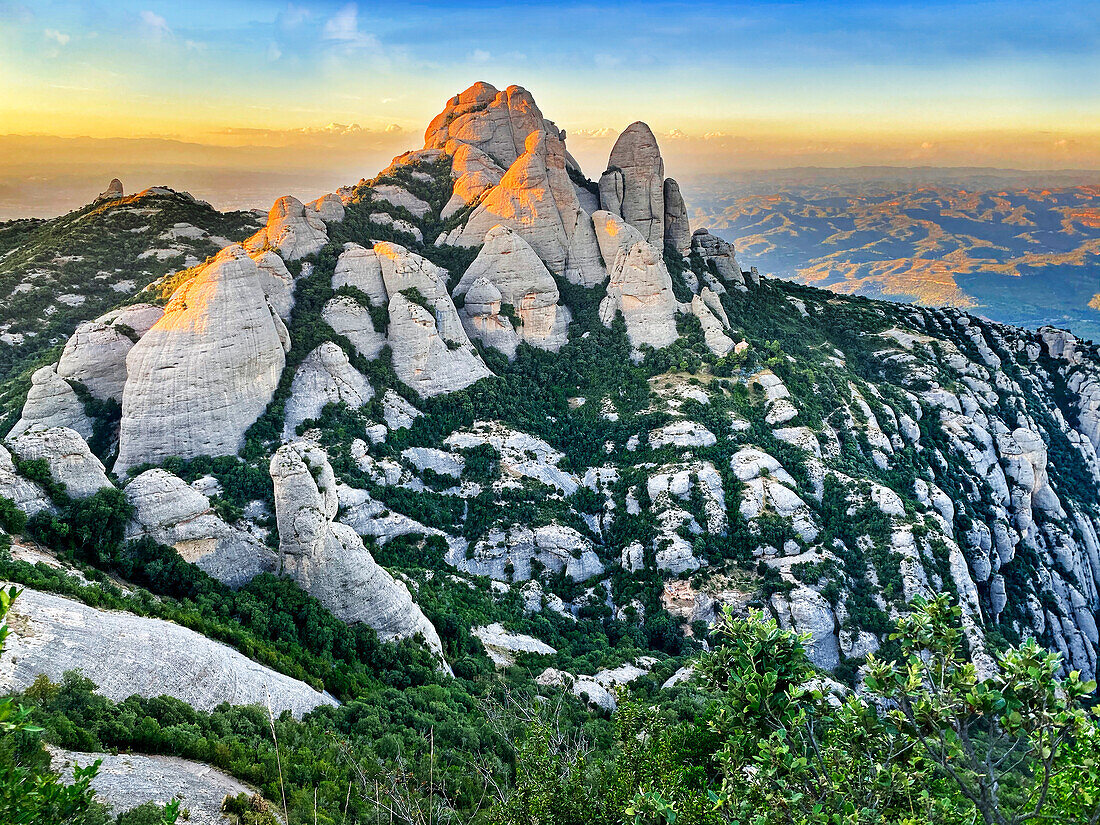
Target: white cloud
point(156, 23)
point(194, 46)
point(274, 52)
point(480, 56)
point(60, 37)
point(344, 27)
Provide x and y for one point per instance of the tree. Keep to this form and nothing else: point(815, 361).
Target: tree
point(1018, 745)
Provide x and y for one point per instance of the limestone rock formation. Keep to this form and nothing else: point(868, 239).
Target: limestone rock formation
point(640, 286)
point(66, 454)
point(172, 512)
point(95, 354)
point(359, 267)
point(328, 208)
point(351, 319)
point(474, 174)
point(677, 225)
point(324, 377)
point(113, 192)
point(634, 184)
point(495, 123)
point(292, 229)
point(397, 196)
point(512, 274)
point(503, 645)
point(126, 654)
point(277, 282)
point(506, 555)
point(718, 253)
point(206, 370)
point(328, 558)
point(714, 332)
point(52, 402)
point(127, 780)
point(23, 493)
point(536, 199)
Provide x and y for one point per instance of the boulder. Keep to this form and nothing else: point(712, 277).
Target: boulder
point(206, 370)
point(171, 512)
point(324, 377)
point(719, 254)
point(805, 610)
point(638, 173)
point(328, 559)
point(503, 645)
point(677, 225)
point(52, 402)
point(67, 455)
point(23, 493)
point(126, 654)
point(95, 354)
point(328, 208)
point(640, 286)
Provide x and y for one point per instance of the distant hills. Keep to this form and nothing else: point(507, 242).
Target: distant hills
point(1017, 247)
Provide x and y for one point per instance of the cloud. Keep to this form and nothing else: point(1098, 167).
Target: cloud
point(602, 132)
point(344, 28)
point(156, 23)
point(480, 56)
point(274, 52)
point(194, 46)
point(60, 37)
point(394, 129)
point(293, 16)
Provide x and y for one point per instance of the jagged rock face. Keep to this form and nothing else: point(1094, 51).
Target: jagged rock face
point(23, 493)
point(349, 318)
point(328, 559)
point(206, 370)
point(640, 286)
point(292, 229)
point(806, 611)
point(495, 123)
point(474, 173)
point(536, 199)
point(125, 781)
point(51, 402)
point(126, 654)
point(718, 253)
point(514, 275)
point(96, 353)
point(635, 183)
point(324, 377)
point(677, 225)
point(70, 461)
point(170, 511)
point(506, 555)
point(360, 268)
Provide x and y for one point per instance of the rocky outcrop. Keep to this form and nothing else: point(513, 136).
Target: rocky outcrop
point(677, 225)
point(536, 199)
point(171, 512)
point(506, 555)
point(504, 645)
point(351, 319)
point(640, 286)
point(127, 780)
point(633, 186)
point(324, 377)
point(495, 123)
point(507, 272)
point(23, 493)
point(276, 282)
point(328, 558)
point(714, 332)
point(52, 402)
point(126, 654)
point(206, 370)
point(95, 354)
point(360, 268)
point(719, 255)
point(113, 192)
point(292, 230)
point(67, 455)
point(328, 208)
point(474, 173)
point(397, 196)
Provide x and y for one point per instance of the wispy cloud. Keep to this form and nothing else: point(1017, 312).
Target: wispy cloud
point(480, 56)
point(60, 37)
point(156, 24)
point(343, 27)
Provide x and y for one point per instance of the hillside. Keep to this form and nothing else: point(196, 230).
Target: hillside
point(481, 424)
point(995, 244)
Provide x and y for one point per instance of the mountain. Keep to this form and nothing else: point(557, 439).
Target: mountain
point(1018, 248)
point(484, 413)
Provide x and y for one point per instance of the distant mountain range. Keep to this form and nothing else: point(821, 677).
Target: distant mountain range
point(1017, 247)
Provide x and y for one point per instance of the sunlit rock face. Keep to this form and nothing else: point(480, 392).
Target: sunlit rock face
point(536, 199)
point(634, 184)
point(640, 286)
point(206, 370)
point(293, 229)
point(474, 174)
point(495, 123)
point(328, 558)
point(507, 271)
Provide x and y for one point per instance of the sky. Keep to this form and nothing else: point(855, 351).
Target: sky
point(242, 95)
